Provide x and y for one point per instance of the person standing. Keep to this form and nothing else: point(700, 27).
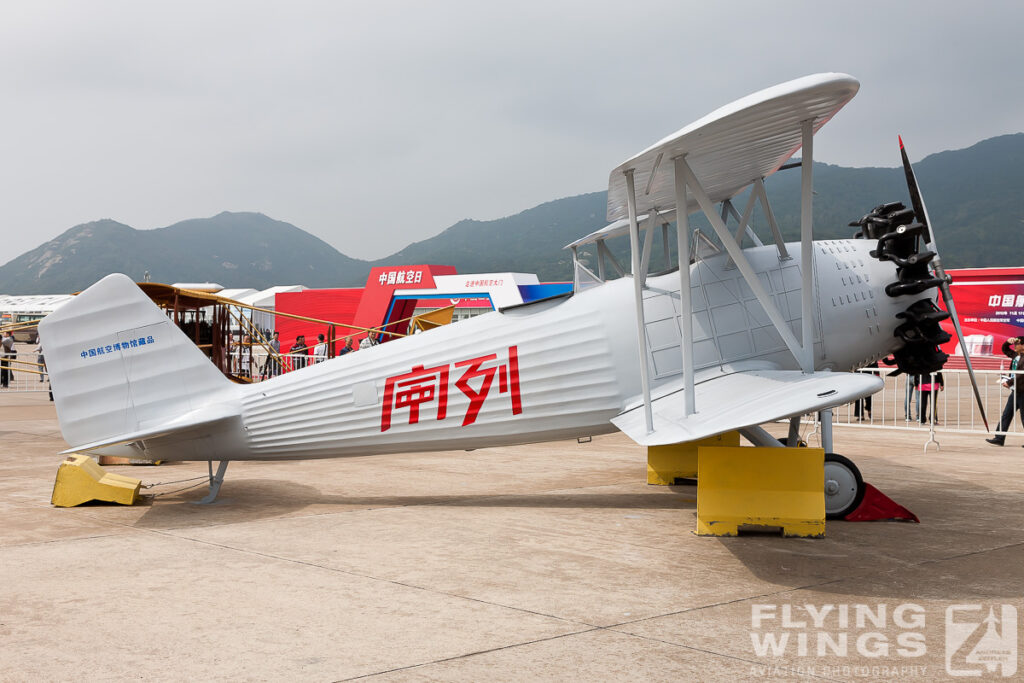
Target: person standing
point(299, 353)
point(40, 359)
point(320, 350)
point(347, 348)
point(245, 356)
point(862, 408)
point(929, 386)
point(1013, 348)
point(272, 367)
point(368, 341)
point(6, 353)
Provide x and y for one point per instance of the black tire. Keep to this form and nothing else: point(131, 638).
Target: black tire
point(847, 485)
point(800, 442)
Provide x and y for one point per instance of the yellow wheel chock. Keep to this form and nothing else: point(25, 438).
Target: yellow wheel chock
point(666, 464)
point(80, 479)
point(761, 487)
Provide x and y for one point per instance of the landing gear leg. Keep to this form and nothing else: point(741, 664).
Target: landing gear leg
point(794, 431)
point(215, 481)
point(826, 429)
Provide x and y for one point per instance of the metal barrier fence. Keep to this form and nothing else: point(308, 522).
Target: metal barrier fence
point(945, 401)
point(259, 365)
point(22, 372)
point(26, 374)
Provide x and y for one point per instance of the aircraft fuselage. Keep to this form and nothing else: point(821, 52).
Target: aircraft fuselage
point(562, 368)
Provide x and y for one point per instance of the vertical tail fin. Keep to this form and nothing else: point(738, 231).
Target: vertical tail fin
point(118, 365)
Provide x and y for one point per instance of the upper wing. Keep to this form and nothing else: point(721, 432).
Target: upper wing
point(734, 145)
point(743, 399)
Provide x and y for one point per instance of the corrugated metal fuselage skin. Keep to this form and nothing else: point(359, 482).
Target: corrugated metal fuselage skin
point(577, 362)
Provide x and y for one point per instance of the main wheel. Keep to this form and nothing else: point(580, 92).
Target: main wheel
point(844, 487)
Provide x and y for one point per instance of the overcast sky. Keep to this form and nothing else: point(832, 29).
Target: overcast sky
point(380, 123)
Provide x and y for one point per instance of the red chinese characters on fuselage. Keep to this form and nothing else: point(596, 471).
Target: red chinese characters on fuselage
point(422, 385)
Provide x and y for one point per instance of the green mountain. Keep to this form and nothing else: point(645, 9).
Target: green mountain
point(529, 242)
point(233, 249)
point(972, 200)
point(972, 196)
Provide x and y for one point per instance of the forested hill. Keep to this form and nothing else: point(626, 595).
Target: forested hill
point(233, 249)
point(972, 194)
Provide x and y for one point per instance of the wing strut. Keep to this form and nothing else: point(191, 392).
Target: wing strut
point(744, 226)
point(686, 183)
point(806, 360)
point(638, 295)
point(685, 305)
point(733, 147)
point(803, 356)
point(780, 243)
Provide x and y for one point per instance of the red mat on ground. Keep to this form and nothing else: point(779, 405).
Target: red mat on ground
point(876, 505)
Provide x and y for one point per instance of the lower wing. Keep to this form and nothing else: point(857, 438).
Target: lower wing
point(743, 399)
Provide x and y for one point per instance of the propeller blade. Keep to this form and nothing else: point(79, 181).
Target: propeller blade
point(940, 272)
point(915, 195)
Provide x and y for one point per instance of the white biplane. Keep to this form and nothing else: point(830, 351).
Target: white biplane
point(734, 339)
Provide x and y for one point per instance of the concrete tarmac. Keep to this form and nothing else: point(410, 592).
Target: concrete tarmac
point(544, 562)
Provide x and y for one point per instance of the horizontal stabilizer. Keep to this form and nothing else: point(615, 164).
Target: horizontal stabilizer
point(743, 399)
point(186, 427)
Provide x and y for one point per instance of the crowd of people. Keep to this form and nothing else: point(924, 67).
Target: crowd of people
point(920, 401)
point(920, 397)
point(298, 355)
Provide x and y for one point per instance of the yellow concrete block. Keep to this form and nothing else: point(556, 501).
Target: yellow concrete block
point(80, 479)
point(773, 487)
point(665, 464)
